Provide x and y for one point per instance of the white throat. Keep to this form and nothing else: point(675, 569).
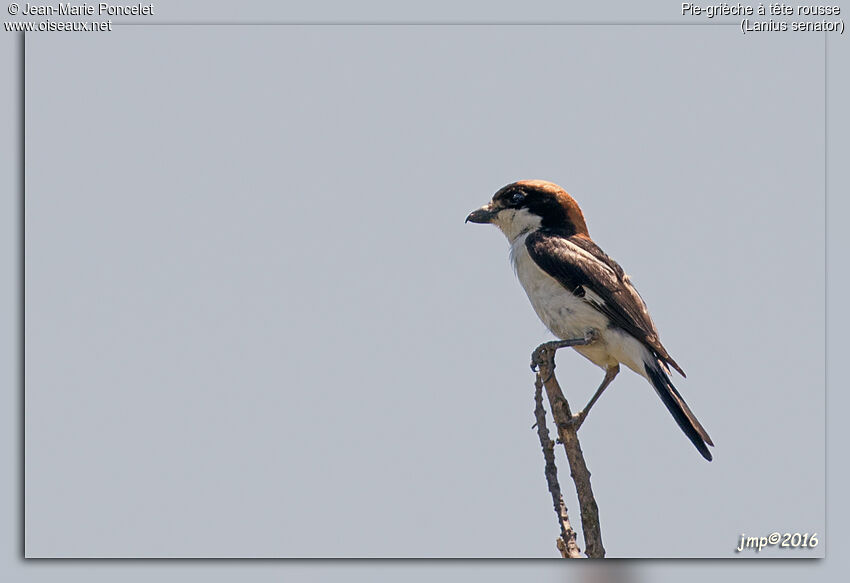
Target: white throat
point(515, 223)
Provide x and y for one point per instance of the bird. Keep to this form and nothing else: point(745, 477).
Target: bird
point(583, 295)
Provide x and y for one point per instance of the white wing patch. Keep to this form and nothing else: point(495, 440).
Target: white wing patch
point(592, 297)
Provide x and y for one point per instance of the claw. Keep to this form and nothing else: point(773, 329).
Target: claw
point(537, 357)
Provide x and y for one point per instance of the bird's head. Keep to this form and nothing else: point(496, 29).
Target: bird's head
point(527, 205)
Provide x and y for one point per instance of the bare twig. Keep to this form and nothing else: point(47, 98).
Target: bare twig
point(567, 423)
point(566, 543)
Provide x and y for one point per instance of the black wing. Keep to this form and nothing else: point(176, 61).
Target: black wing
point(585, 270)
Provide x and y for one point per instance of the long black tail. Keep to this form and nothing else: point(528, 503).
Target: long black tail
point(678, 408)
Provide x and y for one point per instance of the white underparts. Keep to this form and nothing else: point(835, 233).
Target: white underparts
point(565, 314)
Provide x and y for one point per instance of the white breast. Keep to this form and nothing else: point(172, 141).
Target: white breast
point(565, 314)
point(569, 316)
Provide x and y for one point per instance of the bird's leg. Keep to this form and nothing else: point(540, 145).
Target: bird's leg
point(610, 373)
point(540, 354)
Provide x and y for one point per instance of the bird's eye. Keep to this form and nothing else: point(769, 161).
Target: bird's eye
point(517, 198)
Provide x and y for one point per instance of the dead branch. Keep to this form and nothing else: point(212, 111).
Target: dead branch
point(567, 423)
point(566, 543)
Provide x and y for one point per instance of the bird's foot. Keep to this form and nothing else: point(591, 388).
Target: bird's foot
point(540, 356)
point(544, 352)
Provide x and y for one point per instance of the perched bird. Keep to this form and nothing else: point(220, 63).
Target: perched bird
point(581, 293)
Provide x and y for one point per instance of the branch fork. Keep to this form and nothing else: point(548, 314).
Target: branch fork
point(543, 363)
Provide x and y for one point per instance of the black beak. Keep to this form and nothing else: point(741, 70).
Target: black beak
point(483, 215)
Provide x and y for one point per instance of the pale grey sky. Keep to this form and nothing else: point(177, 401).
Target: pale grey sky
point(257, 326)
